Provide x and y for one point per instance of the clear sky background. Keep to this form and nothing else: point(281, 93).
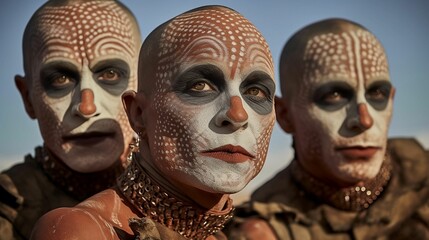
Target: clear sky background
point(402, 26)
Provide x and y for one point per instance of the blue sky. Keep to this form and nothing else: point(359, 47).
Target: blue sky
point(402, 27)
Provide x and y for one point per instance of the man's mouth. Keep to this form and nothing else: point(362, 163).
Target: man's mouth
point(88, 138)
point(229, 153)
point(358, 152)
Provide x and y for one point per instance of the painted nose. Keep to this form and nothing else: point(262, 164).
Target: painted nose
point(233, 116)
point(86, 108)
point(236, 110)
point(363, 120)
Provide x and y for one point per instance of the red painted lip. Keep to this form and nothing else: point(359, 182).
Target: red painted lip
point(229, 153)
point(357, 152)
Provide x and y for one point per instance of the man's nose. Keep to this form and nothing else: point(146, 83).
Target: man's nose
point(236, 110)
point(86, 106)
point(363, 120)
point(233, 116)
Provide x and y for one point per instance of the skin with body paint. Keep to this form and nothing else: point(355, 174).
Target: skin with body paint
point(204, 111)
point(339, 110)
point(79, 57)
point(337, 103)
point(210, 124)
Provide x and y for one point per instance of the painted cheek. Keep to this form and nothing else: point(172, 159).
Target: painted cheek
point(263, 142)
point(58, 107)
point(262, 127)
point(172, 137)
point(381, 120)
point(108, 105)
point(318, 127)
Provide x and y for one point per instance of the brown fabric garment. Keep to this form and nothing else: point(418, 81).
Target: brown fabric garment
point(145, 228)
point(27, 194)
point(401, 212)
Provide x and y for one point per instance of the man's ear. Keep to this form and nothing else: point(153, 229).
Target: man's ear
point(21, 84)
point(282, 115)
point(135, 104)
point(392, 93)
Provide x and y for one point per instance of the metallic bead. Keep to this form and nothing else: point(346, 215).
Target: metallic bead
point(154, 202)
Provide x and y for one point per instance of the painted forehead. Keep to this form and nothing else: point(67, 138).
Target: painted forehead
point(86, 30)
point(349, 55)
point(217, 34)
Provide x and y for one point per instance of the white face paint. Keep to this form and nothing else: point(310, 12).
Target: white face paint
point(343, 107)
point(212, 114)
point(85, 58)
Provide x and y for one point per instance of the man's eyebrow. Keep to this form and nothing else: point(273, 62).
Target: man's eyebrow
point(113, 62)
point(206, 69)
point(380, 82)
point(209, 72)
point(60, 65)
point(261, 77)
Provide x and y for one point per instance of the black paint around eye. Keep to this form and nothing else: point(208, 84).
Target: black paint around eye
point(378, 94)
point(53, 71)
point(209, 74)
point(333, 95)
point(114, 87)
point(263, 82)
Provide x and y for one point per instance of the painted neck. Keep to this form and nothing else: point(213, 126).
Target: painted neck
point(79, 185)
point(351, 198)
point(161, 203)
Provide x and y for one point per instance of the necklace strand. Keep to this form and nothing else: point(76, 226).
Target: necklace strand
point(352, 198)
point(161, 206)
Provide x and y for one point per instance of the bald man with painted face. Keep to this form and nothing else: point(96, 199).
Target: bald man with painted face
point(204, 112)
point(347, 180)
point(79, 57)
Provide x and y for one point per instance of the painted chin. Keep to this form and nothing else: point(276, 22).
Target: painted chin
point(229, 154)
point(217, 176)
point(358, 153)
point(99, 133)
point(94, 150)
point(358, 171)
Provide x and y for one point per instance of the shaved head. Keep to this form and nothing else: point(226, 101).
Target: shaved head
point(79, 57)
point(218, 32)
point(317, 42)
point(85, 24)
point(336, 100)
point(208, 78)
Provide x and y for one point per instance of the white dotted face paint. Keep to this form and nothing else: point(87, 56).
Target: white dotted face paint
point(343, 107)
point(213, 114)
point(84, 58)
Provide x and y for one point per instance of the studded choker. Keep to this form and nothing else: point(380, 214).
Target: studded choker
point(161, 206)
point(79, 185)
point(352, 198)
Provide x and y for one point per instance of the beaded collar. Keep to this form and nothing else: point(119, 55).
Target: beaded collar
point(353, 198)
point(79, 185)
point(163, 207)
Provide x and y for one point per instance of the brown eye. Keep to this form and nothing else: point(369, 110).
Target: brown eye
point(377, 94)
point(109, 75)
point(61, 81)
point(201, 86)
point(255, 92)
point(333, 97)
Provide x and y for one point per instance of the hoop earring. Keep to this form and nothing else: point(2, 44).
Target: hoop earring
point(135, 145)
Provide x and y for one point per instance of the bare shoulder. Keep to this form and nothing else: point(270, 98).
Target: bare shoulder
point(255, 228)
point(68, 223)
point(98, 217)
